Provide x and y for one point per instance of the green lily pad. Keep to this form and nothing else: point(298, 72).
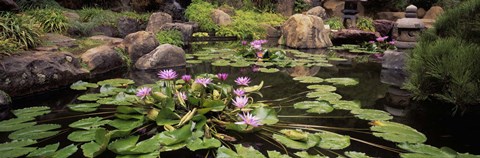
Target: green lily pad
point(329, 140)
point(221, 63)
point(83, 107)
point(125, 125)
point(267, 116)
point(423, 150)
point(95, 148)
point(324, 65)
point(16, 148)
point(82, 135)
point(194, 61)
point(397, 132)
point(117, 82)
point(175, 136)
point(248, 152)
point(31, 111)
point(110, 90)
point(324, 88)
point(276, 154)
point(264, 64)
point(91, 97)
point(16, 124)
point(371, 114)
point(326, 96)
point(205, 143)
point(167, 117)
point(337, 59)
point(342, 81)
point(311, 141)
point(268, 70)
point(80, 85)
point(346, 105)
point(35, 132)
point(224, 152)
point(240, 64)
point(46, 151)
point(319, 107)
point(89, 123)
point(354, 154)
point(65, 152)
point(304, 154)
point(309, 79)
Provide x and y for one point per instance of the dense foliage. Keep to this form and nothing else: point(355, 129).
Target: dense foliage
point(365, 24)
point(51, 20)
point(335, 23)
point(21, 31)
point(173, 37)
point(199, 11)
point(443, 65)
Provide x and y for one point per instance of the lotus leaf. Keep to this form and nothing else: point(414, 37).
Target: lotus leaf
point(337, 59)
point(264, 64)
point(249, 152)
point(16, 148)
point(354, 154)
point(126, 125)
point(295, 134)
point(276, 154)
point(371, 114)
point(80, 85)
point(205, 143)
point(16, 124)
point(342, 81)
point(224, 152)
point(304, 154)
point(130, 116)
point(167, 117)
point(240, 64)
point(314, 106)
point(91, 97)
point(83, 107)
point(329, 140)
point(268, 70)
point(130, 110)
point(323, 88)
point(311, 141)
point(110, 90)
point(173, 147)
point(267, 116)
point(253, 88)
point(95, 148)
point(397, 132)
point(194, 61)
point(89, 123)
point(117, 82)
point(175, 136)
point(32, 111)
point(330, 97)
point(82, 135)
point(149, 155)
point(35, 132)
point(309, 79)
point(46, 151)
point(66, 151)
point(346, 105)
point(422, 150)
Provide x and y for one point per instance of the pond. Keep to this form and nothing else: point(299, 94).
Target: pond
point(280, 91)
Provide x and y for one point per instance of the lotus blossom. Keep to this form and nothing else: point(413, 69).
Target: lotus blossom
point(391, 42)
point(249, 119)
point(143, 92)
point(186, 78)
point(167, 74)
point(257, 44)
point(242, 81)
point(203, 81)
point(240, 102)
point(381, 39)
point(260, 54)
point(371, 42)
point(244, 42)
point(182, 95)
point(239, 92)
point(222, 76)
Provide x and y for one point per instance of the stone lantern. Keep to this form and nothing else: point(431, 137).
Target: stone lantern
point(350, 13)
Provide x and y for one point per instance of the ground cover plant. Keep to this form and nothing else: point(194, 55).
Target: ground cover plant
point(19, 31)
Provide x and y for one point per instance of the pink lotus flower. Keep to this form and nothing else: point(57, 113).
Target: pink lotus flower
point(244, 42)
point(239, 92)
point(222, 76)
point(260, 54)
point(186, 78)
point(242, 81)
point(240, 102)
point(143, 92)
point(167, 74)
point(248, 119)
point(203, 81)
point(182, 95)
point(371, 42)
point(382, 39)
point(392, 42)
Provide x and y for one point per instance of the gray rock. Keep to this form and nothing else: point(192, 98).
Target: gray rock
point(39, 71)
point(433, 12)
point(139, 43)
point(394, 60)
point(305, 31)
point(59, 40)
point(393, 77)
point(127, 26)
point(317, 11)
point(157, 20)
point(102, 59)
point(285, 7)
point(107, 39)
point(350, 36)
point(384, 27)
point(4, 98)
point(163, 56)
point(221, 18)
point(106, 30)
point(8, 5)
point(186, 29)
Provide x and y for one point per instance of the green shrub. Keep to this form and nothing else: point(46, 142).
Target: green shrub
point(300, 6)
point(335, 23)
point(51, 20)
point(173, 37)
point(200, 12)
point(248, 24)
point(38, 4)
point(365, 24)
point(7, 46)
point(443, 64)
point(20, 30)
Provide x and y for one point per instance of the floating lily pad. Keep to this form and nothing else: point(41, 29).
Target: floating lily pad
point(264, 64)
point(371, 114)
point(308, 79)
point(82, 135)
point(194, 61)
point(125, 125)
point(16, 124)
point(110, 90)
point(346, 105)
point(80, 85)
point(323, 64)
point(323, 88)
point(267, 116)
point(304, 154)
point(201, 54)
point(311, 141)
point(89, 123)
point(205, 143)
point(326, 96)
point(17, 148)
point(189, 56)
point(46, 151)
point(329, 140)
point(397, 132)
point(91, 97)
point(337, 59)
point(276, 154)
point(342, 81)
point(32, 111)
point(117, 82)
point(268, 70)
point(354, 154)
point(84, 107)
point(35, 132)
point(319, 107)
point(423, 150)
point(65, 152)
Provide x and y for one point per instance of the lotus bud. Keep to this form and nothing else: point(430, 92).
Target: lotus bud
point(152, 114)
point(159, 96)
point(295, 134)
point(169, 127)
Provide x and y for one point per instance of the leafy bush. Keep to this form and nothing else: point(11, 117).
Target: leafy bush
point(51, 20)
point(38, 4)
point(173, 37)
point(300, 6)
point(200, 11)
point(21, 31)
point(443, 65)
point(248, 24)
point(7, 46)
point(365, 24)
point(335, 23)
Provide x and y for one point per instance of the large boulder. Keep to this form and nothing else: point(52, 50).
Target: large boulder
point(317, 11)
point(351, 36)
point(305, 31)
point(8, 5)
point(433, 12)
point(221, 18)
point(157, 20)
point(107, 39)
point(127, 26)
point(186, 29)
point(384, 27)
point(4, 98)
point(139, 43)
point(107, 30)
point(59, 40)
point(334, 7)
point(39, 71)
point(163, 56)
point(272, 32)
point(102, 59)
point(392, 16)
point(285, 7)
